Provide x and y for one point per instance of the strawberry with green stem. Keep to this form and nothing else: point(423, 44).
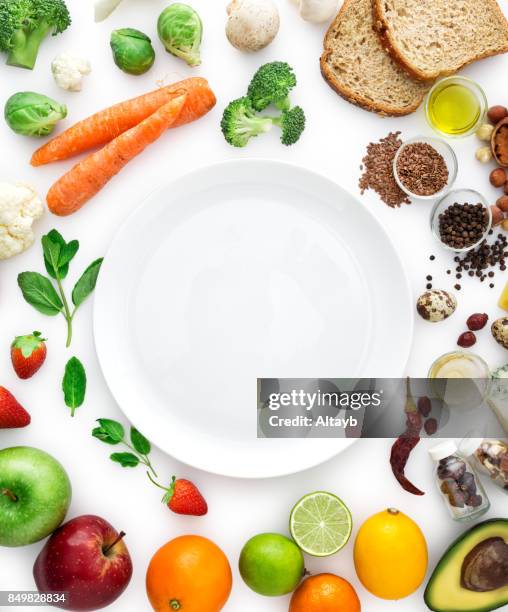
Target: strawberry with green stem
point(182, 496)
point(28, 353)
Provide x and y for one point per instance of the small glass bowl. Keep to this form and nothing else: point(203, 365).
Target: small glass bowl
point(459, 196)
point(463, 394)
point(444, 149)
point(473, 87)
point(479, 362)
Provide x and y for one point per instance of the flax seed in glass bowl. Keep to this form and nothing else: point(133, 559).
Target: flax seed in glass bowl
point(425, 168)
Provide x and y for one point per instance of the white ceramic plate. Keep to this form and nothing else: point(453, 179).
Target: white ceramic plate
point(236, 271)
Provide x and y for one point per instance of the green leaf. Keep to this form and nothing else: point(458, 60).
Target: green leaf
point(51, 252)
point(109, 431)
point(39, 292)
point(140, 443)
point(74, 384)
point(67, 253)
point(125, 459)
point(86, 284)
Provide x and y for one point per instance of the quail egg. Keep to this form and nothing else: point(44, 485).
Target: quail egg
point(436, 305)
point(500, 331)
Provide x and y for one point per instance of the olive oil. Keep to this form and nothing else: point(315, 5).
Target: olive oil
point(454, 108)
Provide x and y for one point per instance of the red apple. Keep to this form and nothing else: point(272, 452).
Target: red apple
point(86, 558)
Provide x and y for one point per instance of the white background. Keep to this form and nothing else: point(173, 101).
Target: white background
point(333, 144)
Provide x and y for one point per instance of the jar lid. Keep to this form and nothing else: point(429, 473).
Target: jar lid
point(442, 450)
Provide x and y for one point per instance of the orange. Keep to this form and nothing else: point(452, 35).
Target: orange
point(325, 593)
point(189, 573)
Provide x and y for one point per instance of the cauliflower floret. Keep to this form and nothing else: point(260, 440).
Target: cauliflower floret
point(20, 206)
point(68, 71)
point(104, 8)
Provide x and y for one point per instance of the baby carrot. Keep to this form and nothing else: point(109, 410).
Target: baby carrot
point(90, 175)
point(107, 124)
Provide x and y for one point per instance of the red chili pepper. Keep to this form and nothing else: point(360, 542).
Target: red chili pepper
point(405, 443)
point(399, 456)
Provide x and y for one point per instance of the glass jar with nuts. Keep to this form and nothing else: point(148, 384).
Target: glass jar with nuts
point(458, 484)
point(489, 457)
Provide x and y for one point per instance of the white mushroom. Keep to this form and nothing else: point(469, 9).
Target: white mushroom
point(252, 24)
point(317, 11)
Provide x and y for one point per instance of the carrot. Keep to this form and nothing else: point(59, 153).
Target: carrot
point(90, 175)
point(107, 124)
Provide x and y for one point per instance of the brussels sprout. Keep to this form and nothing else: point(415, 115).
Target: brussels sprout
point(181, 31)
point(33, 114)
point(132, 51)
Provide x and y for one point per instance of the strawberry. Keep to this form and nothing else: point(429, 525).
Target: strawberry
point(183, 497)
point(28, 353)
point(12, 413)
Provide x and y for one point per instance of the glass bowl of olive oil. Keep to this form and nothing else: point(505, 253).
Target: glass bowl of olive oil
point(455, 106)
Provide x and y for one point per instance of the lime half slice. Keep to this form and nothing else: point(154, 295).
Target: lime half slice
point(320, 524)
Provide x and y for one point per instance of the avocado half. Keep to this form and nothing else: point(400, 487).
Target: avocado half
point(444, 592)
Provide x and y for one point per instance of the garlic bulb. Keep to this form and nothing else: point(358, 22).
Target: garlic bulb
point(317, 11)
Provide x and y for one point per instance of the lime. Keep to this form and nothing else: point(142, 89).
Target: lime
point(320, 524)
point(271, 564)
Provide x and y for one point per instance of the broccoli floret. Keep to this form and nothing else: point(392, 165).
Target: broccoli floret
point(240, 123)
point(271, 85)
point(292, 124)
point(24, 24)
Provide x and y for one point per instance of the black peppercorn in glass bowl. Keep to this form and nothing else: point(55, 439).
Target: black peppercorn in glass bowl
point(425, 168)
point(461, 220)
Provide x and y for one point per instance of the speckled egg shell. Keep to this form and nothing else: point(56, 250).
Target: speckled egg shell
point(436, 305)
point(500, 331)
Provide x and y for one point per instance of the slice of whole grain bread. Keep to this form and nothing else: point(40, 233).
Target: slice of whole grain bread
point(355, 64)
point(433, 38)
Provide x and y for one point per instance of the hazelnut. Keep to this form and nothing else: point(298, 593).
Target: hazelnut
point(497, 113)
point(502, 203)
point(484, 154)
point(424, 406)
point(499, 142)
point(484, 132)
point(466, 340)
point(497, 215)
point(498, 177)
point(477, 321)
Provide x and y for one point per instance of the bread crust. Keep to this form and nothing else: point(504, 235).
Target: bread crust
point(348, 94)
point(385, 36)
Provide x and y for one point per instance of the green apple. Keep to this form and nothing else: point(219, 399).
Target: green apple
point(35, 493)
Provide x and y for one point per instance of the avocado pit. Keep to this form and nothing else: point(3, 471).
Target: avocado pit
point(485, 567)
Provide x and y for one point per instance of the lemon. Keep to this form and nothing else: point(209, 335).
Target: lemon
point(390, 555)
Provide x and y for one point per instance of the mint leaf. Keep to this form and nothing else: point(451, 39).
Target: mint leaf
point(51, 252)
point(140, 443)
point(67, 252)
point(109, 431)
point(86, 284)
point(74, 384)
point(40, 293)
point(125, 459)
